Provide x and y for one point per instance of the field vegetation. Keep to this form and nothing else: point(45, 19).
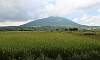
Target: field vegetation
point(29, 45)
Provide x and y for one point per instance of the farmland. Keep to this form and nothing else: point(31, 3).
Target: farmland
point(18, 45)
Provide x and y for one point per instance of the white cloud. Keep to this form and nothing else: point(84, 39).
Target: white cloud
point(85, 16)
point(90, 20)
point(13, 23)
point(22, 9)
point(67, 6)
point(98, 10)
point(27, 9)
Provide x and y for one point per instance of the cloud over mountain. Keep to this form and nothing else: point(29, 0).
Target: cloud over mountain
point(90, 20)
point(21, 9)
point(16, 10)
point(67, 6)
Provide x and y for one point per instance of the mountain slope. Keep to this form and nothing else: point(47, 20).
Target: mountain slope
point(52, 21)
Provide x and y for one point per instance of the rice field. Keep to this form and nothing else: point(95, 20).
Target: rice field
point(16, 45)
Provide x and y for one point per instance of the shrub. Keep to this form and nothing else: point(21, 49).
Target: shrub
point(89, 33)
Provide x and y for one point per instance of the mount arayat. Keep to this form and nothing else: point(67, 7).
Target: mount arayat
point(50, 22)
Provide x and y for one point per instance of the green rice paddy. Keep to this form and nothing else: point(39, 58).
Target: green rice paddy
point(18, 45)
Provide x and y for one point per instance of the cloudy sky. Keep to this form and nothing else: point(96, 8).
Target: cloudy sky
point(17, 12)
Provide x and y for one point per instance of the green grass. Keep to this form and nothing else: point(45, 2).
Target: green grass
point(68, 45)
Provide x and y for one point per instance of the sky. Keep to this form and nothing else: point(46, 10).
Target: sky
point(18, 12)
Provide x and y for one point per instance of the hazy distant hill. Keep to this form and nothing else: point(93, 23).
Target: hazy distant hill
point(51, 21)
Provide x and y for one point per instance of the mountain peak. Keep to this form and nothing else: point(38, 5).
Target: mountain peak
point(51, 21)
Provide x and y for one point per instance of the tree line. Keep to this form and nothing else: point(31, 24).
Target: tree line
point(50, 29)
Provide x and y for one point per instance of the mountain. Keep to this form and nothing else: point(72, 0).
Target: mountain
point(5, 28)
point(51, 21)
point(45, 24)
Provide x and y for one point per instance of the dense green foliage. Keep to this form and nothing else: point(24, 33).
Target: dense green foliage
point(49, 45)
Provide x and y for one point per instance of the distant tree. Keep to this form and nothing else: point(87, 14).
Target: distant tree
point(70, 29)
point(73, 29)
point(57, 29)
point(66, 29)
